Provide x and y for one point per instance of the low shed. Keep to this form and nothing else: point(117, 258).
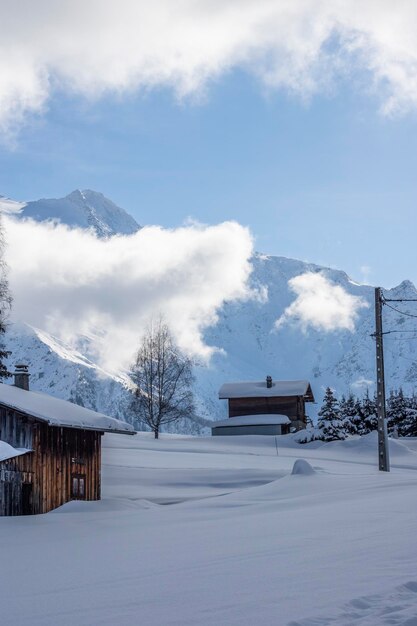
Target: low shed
point(50, 449)
point(252, 425)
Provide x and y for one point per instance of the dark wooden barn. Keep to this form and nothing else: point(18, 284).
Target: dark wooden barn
point(276, 407)
point(50, 449)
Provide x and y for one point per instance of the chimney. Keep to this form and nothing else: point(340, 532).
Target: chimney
point(21, 377)
point(269, 382)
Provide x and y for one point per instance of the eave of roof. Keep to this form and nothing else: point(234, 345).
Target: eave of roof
point(59, 413)
point(258, 389)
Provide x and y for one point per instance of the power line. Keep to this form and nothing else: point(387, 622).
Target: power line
point(380, 300)
point(402, 338)
point(388, 332)
point(401, 356)
point(383, 449)
point(384, 299)
point(398, 311)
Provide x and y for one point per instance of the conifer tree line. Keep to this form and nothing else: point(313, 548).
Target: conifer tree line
point(358, 416)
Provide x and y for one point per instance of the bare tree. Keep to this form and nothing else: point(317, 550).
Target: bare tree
point(163, 380)
point(5, 305)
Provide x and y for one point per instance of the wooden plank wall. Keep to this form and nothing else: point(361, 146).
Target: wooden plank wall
point(293, 406)
point(15, 428)
point(10, 488)
point(57, 454)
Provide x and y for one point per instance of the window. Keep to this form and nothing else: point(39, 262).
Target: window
point(78, 486)
point(27, 505)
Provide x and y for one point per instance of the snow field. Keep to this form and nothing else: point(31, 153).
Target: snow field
point(218, 531)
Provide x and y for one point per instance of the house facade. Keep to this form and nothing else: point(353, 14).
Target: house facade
point(264, 407)
point(50, 449)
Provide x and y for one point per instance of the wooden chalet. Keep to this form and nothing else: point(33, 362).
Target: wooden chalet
point(264, 408)
point(50, 449)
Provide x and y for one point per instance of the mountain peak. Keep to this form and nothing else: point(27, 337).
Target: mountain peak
point(406, 289)
point(84, 209)
point(86, 195)
point(10, 207)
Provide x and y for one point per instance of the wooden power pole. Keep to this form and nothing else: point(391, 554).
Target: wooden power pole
point(383, 451)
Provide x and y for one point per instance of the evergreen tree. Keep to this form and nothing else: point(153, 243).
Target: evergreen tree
point(410, 424)
point(342, 405)
point(402, 414)
point(397, 412)
point(412, 417)
point(330, 425)
point(368, 413)
point(350, 414)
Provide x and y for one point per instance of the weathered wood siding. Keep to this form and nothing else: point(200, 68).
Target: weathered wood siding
point(15, 428)
point(292, 406)
point(58, 454)
point(12, 476)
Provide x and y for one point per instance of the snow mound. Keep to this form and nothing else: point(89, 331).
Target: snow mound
point(303, 468)
point(304, 436)
point(369, 443)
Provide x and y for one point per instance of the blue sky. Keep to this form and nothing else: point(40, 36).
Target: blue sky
point(299, 124)
point(329, 181)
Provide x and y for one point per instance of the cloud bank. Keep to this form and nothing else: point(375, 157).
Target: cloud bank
point(69, 282)
point(321, 304)
point(98, 46)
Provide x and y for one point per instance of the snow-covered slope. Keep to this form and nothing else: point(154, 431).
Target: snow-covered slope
point(85, 209)
point(223, 531)
point(61, 371)
point(251, 349)
point(71, 374)
point(344, 360)
point(10, 207)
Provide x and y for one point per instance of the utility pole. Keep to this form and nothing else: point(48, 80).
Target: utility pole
point(383, 451)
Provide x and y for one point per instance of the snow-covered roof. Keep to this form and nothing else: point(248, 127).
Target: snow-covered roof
point(252, 420)
point(8, 452)
point(58, 412)
point(259, 389)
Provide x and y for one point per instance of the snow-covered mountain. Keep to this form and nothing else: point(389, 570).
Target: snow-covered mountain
point(251, 348)
point(341, 359)
point(85, 209)
point(65, 372)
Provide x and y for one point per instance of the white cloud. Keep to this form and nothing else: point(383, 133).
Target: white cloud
point(70, 282)
point(321, 304)
point(362, 384)
point(94, 46)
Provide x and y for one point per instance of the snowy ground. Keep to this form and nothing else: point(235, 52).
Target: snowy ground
point(218, 532)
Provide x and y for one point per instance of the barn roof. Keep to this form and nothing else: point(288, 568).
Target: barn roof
point(280, 388)
point(8, 452)
point(252, 420)
point(56, 412)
